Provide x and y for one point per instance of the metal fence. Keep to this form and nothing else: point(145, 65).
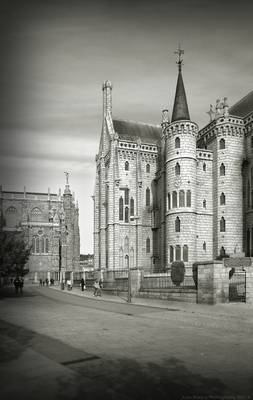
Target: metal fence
point(116, 279)
point(164, 281)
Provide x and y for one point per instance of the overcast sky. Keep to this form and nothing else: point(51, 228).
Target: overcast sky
point(56, 54)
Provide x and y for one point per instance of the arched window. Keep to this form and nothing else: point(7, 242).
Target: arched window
point(174, 199)
point(178, 253)
point(46, 245)
point(147, 245)
point(185, 253)
point(126, 214)
point(148, 168)
point(181, 198)
point(126, 261)
point(131, 207)
point(171, 253)
point(147, 197)
point(126, 196)
point(126, 244)
point(37, 244)
point(204, 167)
point(188, 198)
point(177, 224)
point(42, 245)
point(36, 211)
point(169, 206)
point(34, 244)
point(177, 143)
point(177, 169)
point(121, 216)
point(204, 246)
point(222, 199)
point(222, 144)
point(248, 243)
point(126, 166)
point(222, 225)
point(11, 210)
point(222, 170)
point(204, 203)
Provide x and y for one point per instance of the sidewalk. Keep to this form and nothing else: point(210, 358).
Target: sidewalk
point(238, 310)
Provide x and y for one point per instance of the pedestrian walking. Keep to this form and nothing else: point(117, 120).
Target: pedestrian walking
point(43, 283)
point(16, 283)
point(21, 285)
point(97, 289)
point(47, 282)
point(82, 284)
point(40, 282)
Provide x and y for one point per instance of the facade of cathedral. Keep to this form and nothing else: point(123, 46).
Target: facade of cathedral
point(174, 192)
point(51, 226)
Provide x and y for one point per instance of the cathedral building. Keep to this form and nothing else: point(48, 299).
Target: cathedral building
point(51, 227)
point(174, 192)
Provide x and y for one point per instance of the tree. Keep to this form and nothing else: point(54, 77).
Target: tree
point(14, 253)
point(177, 272)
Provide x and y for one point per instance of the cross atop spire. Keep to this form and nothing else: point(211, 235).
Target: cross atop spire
point(179, 52)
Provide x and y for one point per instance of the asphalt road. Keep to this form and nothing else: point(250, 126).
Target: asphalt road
point(59, 346)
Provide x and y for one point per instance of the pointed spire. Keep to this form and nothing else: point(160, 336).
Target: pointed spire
point(180, 109)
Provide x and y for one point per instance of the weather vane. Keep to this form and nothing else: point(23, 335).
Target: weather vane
point(179, 52)
point(67, 177)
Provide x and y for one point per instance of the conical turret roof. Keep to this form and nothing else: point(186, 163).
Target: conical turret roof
point(180, 108)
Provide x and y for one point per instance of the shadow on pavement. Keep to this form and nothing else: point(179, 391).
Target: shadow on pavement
point(110, 379)
point(9, 292)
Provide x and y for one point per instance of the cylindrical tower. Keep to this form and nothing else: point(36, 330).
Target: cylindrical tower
point(181, 180)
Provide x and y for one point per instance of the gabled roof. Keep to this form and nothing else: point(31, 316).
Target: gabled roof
point(130, 130)
point(243, 106)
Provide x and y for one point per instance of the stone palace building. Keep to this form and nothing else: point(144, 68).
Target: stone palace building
point(174, 192)
point(50, 223)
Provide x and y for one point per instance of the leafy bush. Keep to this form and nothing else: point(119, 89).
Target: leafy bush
point(177, 272)
point(14, 253)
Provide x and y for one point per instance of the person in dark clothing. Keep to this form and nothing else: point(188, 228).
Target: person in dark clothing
point(40, 282)
point(21, 285)
point(16, 283)
point(47, 282)
point(83, 284)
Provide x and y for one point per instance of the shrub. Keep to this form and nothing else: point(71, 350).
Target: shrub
point(177, 272)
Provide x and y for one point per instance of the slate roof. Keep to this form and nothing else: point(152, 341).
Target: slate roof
point(243, 106)
point(130, 130)
point(180, 108)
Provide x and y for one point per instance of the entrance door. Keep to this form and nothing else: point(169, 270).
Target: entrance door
point(237, 285)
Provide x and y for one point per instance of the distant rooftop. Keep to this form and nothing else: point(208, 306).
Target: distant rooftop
point(243, 106)
point(130, 130)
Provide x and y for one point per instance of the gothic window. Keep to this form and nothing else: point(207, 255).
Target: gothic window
point(204, 203)
point(174, 199)
point(131, 207)
point(222, 170)
point(188, 198)
point(251, 253)
point(177, 169)
point(222, 144)
point(147, 197)
point(169, 206)
point(204, 246)
point(42, 245)
point(121, 217)
point(126, 244)
point(177, 143)
point(222, 225)
point(36, 211)
point(148, 168)
point(11, 210)
point(181, 198)
point(178, 253)
point(248, 194)
point(222, 199)
point(126, 261)
point(126, 166)
point(126, 214)
point(148, 245)
point(46, 245)
point(177, 224)
point(34, 244)
point(131, 257)
point(121, 257)
point(185, 253)
point(171, 253)
point(248, 243)
point(37, 244)
point(126, 196)
point(204, 167)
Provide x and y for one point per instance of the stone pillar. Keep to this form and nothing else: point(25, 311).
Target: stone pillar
point(213, 283)
point(48, 275)
point(35, 277)
point(135, 281)
point(249, 284)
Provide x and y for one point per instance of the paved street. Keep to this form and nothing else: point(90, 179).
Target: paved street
point(68, 345)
